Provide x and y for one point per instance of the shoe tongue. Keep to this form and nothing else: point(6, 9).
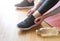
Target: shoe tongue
point(30, 20)
point(31, 17)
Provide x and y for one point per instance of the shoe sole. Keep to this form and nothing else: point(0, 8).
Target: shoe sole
point(29, 7)
point(28, 27)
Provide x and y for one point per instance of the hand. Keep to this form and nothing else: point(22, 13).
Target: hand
point(31, 11)
point(39, 20)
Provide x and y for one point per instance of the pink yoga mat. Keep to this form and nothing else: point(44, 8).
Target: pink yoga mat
point(55, 19)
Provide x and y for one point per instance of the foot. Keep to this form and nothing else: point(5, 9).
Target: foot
point(27, 23)
point(25, 4)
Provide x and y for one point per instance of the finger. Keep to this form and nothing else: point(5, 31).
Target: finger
point(37, 20)
point(40, 21)
point(31, 12)
point(28, 12)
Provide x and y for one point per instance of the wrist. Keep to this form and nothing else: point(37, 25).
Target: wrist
point(44, 16)
point(35, 8)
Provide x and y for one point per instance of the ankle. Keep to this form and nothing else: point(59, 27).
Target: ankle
point(36, 14)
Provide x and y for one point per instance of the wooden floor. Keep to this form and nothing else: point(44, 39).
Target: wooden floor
point(9, 17)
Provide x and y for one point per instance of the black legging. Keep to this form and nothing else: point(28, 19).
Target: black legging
point(46, 6)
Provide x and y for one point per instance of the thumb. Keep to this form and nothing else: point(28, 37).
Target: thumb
point(37, 20)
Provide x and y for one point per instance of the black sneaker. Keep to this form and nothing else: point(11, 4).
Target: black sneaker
point(27, 24)
point(25, 4)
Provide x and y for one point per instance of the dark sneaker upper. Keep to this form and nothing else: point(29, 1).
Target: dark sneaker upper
point(28, 22)
point(25, 3)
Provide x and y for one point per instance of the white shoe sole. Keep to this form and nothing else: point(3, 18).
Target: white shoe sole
point(28, 27)
point(29, 7)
